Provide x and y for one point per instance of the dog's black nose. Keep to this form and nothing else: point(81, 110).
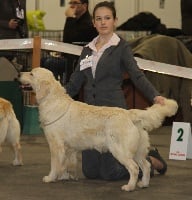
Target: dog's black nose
point(17, 77)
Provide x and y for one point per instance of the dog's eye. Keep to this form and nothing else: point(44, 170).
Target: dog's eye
point(31, 74)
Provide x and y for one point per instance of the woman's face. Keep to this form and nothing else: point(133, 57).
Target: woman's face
point(104, 21)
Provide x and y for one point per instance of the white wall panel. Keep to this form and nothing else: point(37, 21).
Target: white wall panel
point(125, 9)
point(169, 15)
point(54, 18)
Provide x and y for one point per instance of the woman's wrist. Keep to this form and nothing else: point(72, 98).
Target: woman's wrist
point(159, 100)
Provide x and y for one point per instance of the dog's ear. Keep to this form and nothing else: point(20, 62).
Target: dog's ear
point(42, 90)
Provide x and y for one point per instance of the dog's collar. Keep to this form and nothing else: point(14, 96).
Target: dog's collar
point(49, 123)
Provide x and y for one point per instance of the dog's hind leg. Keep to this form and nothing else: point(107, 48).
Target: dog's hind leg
point(18, 156)
point(140, 159)
point(133, 169)
point(123, 143)
point(4, 126)
point(125, 159)
point(13, 137)
point(145, 167)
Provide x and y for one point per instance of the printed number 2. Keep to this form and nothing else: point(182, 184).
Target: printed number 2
point(180, 137)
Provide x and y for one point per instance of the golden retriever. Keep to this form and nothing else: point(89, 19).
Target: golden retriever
point(10, 129)
point(71, 126)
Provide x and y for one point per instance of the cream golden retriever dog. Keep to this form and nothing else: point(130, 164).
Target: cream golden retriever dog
point(71, 126)
point(10, 129)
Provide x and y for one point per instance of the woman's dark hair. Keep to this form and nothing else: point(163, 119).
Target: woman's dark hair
point(107, 4)
point(85, 1)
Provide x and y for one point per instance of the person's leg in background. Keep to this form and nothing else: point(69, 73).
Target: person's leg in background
point(91, 164)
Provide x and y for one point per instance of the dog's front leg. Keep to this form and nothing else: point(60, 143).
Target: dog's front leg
point(57, 151)
point(71, 164)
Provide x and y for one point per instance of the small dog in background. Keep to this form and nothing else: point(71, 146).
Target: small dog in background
point(10, 129)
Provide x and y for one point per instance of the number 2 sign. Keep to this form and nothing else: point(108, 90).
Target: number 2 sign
point(181, 141)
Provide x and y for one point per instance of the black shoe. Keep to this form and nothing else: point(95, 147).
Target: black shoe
point(155, 153)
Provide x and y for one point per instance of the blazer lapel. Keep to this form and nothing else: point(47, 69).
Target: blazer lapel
point(105, 55)
point(88, 71)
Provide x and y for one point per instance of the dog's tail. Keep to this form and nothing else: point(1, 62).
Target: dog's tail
point(154, 116)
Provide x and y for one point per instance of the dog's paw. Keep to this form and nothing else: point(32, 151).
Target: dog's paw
point(48, 179)
point(141, 184)
point(74, 177)
point(64, 176)
point(128, 188)
point(17, 163)
point(68, 176)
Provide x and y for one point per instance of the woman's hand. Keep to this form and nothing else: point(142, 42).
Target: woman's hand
point(13, 24)
point(159, 100)
point(70, 12)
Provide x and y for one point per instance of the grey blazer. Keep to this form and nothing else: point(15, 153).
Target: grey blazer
point(105, 88)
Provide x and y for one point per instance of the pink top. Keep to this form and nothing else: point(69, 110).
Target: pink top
point(97, 54)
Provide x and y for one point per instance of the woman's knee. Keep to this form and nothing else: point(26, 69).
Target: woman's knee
point(114, 174)
point(90, 173)
point(91, 164)
point(111, 169)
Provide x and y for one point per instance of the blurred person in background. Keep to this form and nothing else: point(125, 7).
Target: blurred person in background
point(13, 22)
point(13, 25)
point(186, 16)
point(78, 30)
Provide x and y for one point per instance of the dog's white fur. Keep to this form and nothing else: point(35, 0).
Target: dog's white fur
point(72, 126)
point(10, 129)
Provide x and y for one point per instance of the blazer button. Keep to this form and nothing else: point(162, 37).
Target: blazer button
point(93, 85)
point(94, 95)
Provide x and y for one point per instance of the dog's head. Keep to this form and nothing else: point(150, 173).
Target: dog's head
point(40, 79)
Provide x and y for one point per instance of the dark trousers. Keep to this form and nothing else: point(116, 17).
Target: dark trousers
point(96, 165)
point(104, 166)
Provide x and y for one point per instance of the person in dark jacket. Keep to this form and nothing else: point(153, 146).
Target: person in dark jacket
point(186, 16)
point(100, 70)
point(78, 30)
point(144, 21)
point(13, 21)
